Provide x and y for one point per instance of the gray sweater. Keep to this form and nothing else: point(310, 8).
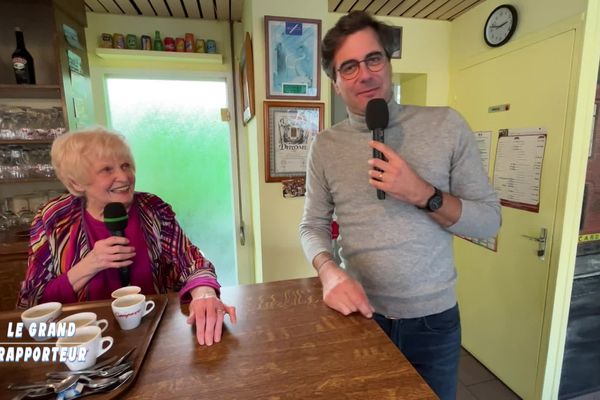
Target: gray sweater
point(403, 258)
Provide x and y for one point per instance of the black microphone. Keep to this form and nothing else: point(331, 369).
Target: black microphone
point(378, 117)
point(115, 220)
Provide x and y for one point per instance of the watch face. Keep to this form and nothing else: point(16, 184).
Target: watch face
point(500, 25)
point(436, 202)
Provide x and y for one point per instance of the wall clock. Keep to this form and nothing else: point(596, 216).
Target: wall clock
point(500, 25)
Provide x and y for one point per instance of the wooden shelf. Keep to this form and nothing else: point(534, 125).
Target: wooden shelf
point(149, 55)
point(10, 91)
point(23, 141)
point(29, 180)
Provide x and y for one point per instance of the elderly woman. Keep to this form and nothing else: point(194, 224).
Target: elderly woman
point(73, 257)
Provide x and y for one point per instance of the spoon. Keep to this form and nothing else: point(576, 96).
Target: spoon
point(98, 370)
point(120, 381)
point(55, 386)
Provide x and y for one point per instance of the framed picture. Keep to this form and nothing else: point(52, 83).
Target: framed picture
point(290, 128)
point(247, 80)
point(397, 42)
point(293, 55)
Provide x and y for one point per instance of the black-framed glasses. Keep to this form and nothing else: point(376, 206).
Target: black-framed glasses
point(374, 63)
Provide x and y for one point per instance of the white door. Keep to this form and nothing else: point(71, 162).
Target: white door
point(502, 295)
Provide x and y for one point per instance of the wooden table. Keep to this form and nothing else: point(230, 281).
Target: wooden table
point(286, 345)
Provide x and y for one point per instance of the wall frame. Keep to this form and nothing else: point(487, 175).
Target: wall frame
point(247, 80)
point(293, 58)
point(290, 128)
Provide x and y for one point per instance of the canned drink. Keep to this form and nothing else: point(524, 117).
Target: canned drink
point(179, 44)
point(146, 42)
point(106, 41)
point(132, 42)
point(200, 48)
point(189, 42)
point(169, 44)
point(211, 46)
point(118, 41)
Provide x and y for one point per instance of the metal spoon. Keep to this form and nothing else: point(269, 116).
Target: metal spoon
point(121, 380)
point(98, 370)
point(55, 386)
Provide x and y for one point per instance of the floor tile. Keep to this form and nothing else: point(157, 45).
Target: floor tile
point(589, 396)
point(492, 390)
point(462, 393)
point(471, 372)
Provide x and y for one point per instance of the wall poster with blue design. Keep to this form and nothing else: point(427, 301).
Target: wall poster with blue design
point(293, 58)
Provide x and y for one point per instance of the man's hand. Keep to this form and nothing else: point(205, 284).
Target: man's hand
point(208, 312)
point(343, 293)
point(397, 178)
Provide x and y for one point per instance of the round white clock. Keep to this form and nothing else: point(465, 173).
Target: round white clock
point(500, 25)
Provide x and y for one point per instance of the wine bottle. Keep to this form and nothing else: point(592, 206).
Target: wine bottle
point(22, 61)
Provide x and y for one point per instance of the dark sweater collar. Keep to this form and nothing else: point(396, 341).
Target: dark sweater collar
point(359, 121)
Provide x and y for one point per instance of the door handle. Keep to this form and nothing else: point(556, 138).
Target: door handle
point(541, 240)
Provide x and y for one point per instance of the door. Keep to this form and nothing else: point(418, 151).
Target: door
point(182, 151)
point(502, 294)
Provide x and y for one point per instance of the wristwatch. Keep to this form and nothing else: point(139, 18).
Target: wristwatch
point(435, 202)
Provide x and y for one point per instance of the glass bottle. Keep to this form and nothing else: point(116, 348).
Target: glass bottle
point(158, 44)
point(22, 61)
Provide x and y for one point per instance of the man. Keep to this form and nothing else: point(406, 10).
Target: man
point(397, 252)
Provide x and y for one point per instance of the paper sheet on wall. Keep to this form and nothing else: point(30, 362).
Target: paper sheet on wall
point(484, 142)
point(518, 167)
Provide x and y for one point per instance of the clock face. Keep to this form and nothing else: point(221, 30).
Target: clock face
point(500, 25)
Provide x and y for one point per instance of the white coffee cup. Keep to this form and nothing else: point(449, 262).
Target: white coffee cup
point(125, 290)
point(129, 310)
point(86, 345)
point(42, 313)
point(85, 319)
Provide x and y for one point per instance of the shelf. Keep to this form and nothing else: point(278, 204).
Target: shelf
point(10, 91)
point(29, 180)
point(24, 141)
point(149, 55)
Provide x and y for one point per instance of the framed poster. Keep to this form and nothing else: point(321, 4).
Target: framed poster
point(396, 32)
point(247, 80)
point(290, 128)
point(292, 49)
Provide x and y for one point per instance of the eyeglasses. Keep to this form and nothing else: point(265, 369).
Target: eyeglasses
point(374, 62)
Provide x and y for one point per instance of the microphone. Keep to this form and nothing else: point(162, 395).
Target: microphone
point(115, 220)
point(377, 120)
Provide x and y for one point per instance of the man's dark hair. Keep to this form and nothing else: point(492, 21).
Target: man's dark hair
point(351, 23)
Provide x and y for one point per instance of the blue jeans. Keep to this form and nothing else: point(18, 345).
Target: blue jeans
point(432, 345)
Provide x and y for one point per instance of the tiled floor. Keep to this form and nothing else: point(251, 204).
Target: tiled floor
point(475, 382)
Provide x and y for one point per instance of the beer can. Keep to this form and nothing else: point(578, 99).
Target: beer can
point(118, 41)
point(211, 46)
point(132, 42)
point(106, 41)
point(169, 44)
point(189, 42)
point(179, 44)
point(146, 42)
point(200, 48)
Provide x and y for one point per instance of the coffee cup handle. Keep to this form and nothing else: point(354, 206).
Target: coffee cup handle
point(148, 309)
point(105, 339)
point(102, 324)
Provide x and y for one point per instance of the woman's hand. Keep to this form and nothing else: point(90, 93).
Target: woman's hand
point(208, 312)
point(112, 252)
